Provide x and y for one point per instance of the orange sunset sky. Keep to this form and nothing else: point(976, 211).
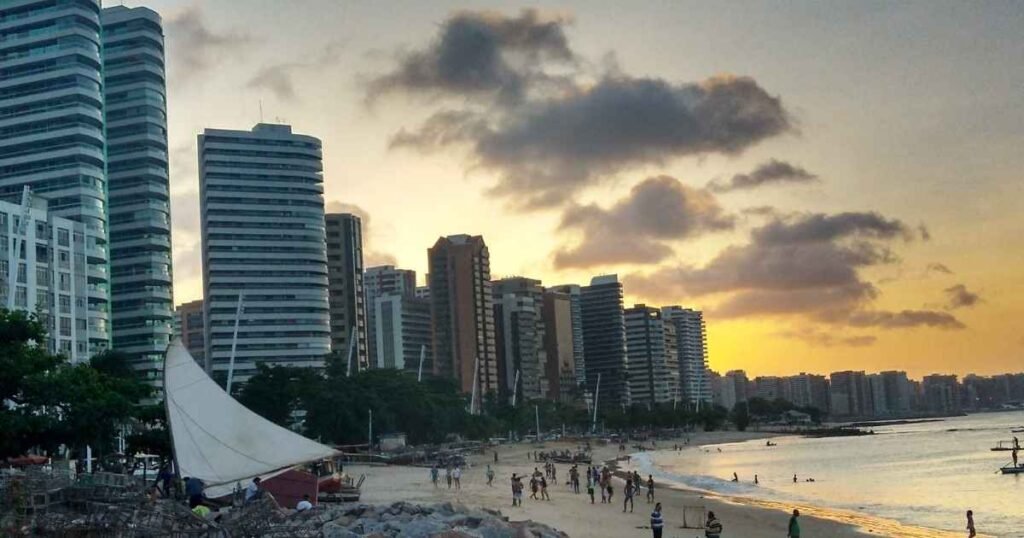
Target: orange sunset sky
point(837, 184)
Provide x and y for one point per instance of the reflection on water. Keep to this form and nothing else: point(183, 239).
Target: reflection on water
point(925, 474)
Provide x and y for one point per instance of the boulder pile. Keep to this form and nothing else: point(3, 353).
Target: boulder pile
point(407, 520)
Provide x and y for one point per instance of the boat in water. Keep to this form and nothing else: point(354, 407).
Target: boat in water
point(1003, 446)
point(220, 441)
point(1010, 468)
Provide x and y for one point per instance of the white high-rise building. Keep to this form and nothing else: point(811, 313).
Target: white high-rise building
point(263, 238)
point(692, 346)
point(42, 271)
point(52, 132)
point(142, 306)
point(652, 363)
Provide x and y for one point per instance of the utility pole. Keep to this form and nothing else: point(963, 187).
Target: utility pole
point(234, 340)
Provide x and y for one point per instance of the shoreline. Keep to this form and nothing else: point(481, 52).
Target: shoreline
point(573, 513)
point(864, 524)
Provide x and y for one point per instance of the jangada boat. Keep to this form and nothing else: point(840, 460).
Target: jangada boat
point(224, 444)
point(1010, 469)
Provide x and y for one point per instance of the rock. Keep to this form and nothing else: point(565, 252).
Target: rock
point(333, 530)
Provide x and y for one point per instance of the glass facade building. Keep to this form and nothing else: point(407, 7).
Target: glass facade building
point(142, 305)
point(52, 132)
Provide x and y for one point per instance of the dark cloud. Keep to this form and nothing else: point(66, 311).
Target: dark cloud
point(193, 47)
point(480, 53)
point(279, 79)
point(897, 320)
point(938, 268)
point(823, 339)
point(802, 264)
point(959, 296)
point(545, 150)
point(634, 229)
point(768, 173)
point(371, 256)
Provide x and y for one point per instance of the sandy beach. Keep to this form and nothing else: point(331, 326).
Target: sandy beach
point(574, 514)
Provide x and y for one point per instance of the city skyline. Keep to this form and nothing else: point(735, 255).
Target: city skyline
point(888, 236)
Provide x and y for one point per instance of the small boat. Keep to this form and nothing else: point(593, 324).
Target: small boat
point(1017, 430)
point(1010, 469)
point(1002, 446)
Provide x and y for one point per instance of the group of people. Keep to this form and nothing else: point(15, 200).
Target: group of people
point(452, 475)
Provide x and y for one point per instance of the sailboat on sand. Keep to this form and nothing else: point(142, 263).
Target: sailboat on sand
point(220, 441)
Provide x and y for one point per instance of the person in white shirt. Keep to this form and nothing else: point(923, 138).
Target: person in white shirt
point(304, 504)
point(457, 476)
point(253, 491)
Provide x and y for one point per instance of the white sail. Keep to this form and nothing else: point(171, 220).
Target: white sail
point(217, 439)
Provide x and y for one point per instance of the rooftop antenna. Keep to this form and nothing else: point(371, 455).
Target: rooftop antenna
point(261, 110)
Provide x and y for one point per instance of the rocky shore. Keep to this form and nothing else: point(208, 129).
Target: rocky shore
point(442, 520)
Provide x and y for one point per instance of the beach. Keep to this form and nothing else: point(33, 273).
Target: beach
point(574, 515)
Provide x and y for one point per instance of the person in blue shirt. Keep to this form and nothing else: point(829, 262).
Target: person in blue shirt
point(657, 522)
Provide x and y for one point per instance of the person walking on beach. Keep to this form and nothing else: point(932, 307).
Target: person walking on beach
point(971, 531)
point(590, 488)
point(433, 474)
point(650, 489)
point(628, 495)
point(657, 522)
point(544, 489)
point(490, 476)
point(457, 476)
point(610, 491)
point(713, 527)
point(794, 526)
point(448, 475)
point(794, 479)
point(534, 485)
point(517, 490)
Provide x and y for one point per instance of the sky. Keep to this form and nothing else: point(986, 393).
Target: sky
point(837, 185)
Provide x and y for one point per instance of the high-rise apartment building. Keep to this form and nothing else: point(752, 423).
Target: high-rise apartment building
point(139, 212)
point(768, 387)
point(850, 394)
point(462, 311)
point(262, 215)
point(692, 343)
point(403, 332)
point(897, 391)
point(381, 281)
point(653, 373)
point(52, 136)
point(42, 271)
point(604, 341)
point(941, 393)
point(806, 390)
point(576, 310)
point(192, 329)
point(519, 320)
point(735, 388)
point(345, 287)
point(558, 346)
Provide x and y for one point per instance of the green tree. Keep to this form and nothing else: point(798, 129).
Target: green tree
point(277, 392)
point(51, 402)
point(740, 416)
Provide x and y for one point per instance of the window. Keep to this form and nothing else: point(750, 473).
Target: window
point(21, 297)
point(63, 237)
point(65, 326)
point(64, 282)
point(63, 259)
point(42, 276)
point(65, 303)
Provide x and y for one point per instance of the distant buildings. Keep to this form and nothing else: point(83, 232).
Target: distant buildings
point(345, 288)
point(521, 354)
point(559, 345)
point(43, 271)
point(403, 337)
point(572, 291)
point(191, 329)
point(381, 281)
point(651, 356)
point(264, 243)
point(604, 342)
point(692, 344)
point(941, 393)
point(462, 310)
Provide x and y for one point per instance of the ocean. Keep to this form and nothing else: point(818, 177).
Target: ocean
point(925, 475)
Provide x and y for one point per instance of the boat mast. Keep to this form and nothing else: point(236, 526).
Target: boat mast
point(597, 394)
point(234, 341)
point(515, 384)
point(476, 379)
point(423, 355)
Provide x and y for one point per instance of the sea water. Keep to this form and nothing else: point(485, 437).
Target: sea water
point(924, 474)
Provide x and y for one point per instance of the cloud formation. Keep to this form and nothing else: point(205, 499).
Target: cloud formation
point(636, 228)
point(546, 150)
point(279, 79)
point(806, 264)
point(194, 47)
point(531, 111)
point(959, 296)
point(817, 338)
point(772, 172)
point(371, 256)
point(480, 53)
